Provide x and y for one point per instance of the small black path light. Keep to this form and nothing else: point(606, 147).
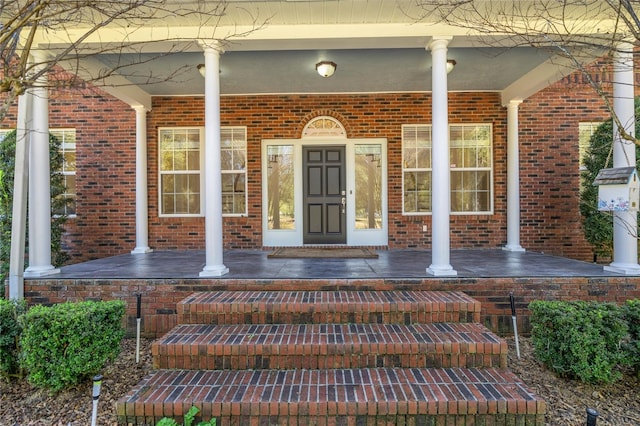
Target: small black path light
point(515, 322)
point(592, 417)
point(97, 385)
point(138, 319)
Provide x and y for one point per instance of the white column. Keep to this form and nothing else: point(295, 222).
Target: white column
point(40, 184)
point(440, 173)
point(214, 244)
point(19, 213)
point(142, 209)
point(513, 178)
point(625, 226)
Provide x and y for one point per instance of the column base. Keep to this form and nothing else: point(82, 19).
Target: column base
point(513, 247)
point(442, 271)
point(40, 271)
point(214, 271)
point(141, 250)
point(623, 268)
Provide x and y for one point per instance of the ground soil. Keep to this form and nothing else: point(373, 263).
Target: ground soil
point(567, 400)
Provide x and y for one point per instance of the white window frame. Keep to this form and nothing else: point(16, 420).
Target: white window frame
point(232, 131)
point(200, 172)
point(452, 169)
point(589, 127)
point(162, 173)
point(67, 147)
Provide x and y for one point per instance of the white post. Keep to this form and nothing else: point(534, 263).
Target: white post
point(20, 184)
point(214, 244)
point(142, 210)
point(40, 183)
point(625, 224)
point(440, 173)
point(513, 178)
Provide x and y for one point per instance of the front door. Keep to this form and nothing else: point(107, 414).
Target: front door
point(324, 197)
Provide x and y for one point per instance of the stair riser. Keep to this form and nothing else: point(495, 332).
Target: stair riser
point(259, 362)
point(191, 316)
point(368, 420)
point(332, 358)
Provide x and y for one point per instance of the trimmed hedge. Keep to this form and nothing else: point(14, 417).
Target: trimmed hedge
point(9, 335)
point(631, 312)
point(580, 340)
point(70, 342)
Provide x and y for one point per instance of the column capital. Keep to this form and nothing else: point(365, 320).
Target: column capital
point(211, 44)
point(513, 103)
point(140, 108)
point(439, 42)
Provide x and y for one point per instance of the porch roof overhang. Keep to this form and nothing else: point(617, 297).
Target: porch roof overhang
point(271, 47)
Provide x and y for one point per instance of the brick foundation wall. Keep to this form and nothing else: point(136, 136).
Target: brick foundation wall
point(159, 297)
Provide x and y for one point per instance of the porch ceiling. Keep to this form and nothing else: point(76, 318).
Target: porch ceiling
point(378, 46)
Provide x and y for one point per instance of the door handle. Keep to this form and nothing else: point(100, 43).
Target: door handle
point(344, 202)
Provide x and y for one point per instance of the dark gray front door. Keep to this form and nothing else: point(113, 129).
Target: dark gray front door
point(324, 195)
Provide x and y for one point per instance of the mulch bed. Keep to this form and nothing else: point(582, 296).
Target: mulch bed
point(21, 404)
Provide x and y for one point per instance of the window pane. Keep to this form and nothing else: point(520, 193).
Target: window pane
point(417, 191)
point(193, 160)
point(280, 192)
point(470, 191)
point(226, 159)
point(168, 206)
point(69, 161)
point(180, 160)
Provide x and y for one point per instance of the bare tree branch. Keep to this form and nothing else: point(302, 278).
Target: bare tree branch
point(74, 30)
point(576, 30)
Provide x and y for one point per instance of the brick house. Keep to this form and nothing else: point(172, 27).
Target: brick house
point(392, 150)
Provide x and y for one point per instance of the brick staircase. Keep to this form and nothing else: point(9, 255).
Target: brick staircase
point(332, 358)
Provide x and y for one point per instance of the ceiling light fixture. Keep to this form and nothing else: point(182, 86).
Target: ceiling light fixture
point(326, 68)
point(201, 69)
point(450, 65)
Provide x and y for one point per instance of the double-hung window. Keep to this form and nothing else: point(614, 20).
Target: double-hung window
point(181, 171)
point(470, 162)
point(233, 157)
point(67, 139)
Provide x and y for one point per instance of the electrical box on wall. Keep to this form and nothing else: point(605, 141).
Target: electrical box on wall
point(617, 189)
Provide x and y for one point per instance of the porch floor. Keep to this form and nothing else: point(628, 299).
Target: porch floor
point(405, 263)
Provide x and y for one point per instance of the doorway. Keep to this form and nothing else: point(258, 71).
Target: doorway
point(324, 194)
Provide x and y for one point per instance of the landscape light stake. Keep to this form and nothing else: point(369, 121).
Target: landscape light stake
point(97, 384)
point(592, 417)
point(515, 323)
point(138, 312)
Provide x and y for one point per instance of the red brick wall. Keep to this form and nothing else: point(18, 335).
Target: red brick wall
point(160, 297)
point(364, 116)
point(105, 172)
point(549, 168)
point(105, 224)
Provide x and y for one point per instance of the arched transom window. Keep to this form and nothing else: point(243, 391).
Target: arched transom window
point(325, 127)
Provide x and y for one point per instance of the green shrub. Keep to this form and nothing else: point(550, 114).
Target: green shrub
point(188, 419)
point(580, 340)
point(67, 343)
point(9, 335)
point(631, 311)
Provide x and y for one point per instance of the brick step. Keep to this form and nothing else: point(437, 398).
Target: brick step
point(305, 307)
point(379, 396)
point(289, 346)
